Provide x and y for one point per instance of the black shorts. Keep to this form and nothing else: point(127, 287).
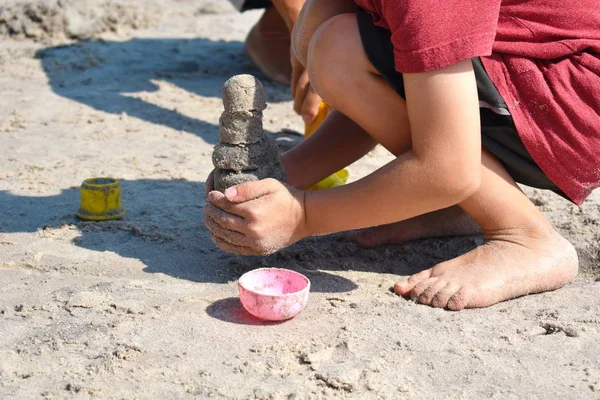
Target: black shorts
point(498, 133)
point(253, 4)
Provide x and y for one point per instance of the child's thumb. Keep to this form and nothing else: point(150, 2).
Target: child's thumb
point(250, 190)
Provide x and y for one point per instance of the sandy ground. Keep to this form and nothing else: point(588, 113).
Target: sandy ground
point(147, 307)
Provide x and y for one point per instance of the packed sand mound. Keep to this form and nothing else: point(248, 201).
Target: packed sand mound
point(240, 157)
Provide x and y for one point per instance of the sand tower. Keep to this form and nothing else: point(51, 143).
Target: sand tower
point(244, 153)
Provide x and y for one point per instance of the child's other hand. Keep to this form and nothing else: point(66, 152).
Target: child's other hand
point(256, 218)
point(306, 100)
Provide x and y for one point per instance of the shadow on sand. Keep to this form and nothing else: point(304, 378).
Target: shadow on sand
point(231, 310)
point(167, 236)
point(104, 75)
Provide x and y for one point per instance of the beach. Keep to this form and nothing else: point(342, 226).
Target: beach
point(147, 306)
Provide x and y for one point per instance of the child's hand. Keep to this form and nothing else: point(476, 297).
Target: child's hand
point(256, 218)
point(306, 100)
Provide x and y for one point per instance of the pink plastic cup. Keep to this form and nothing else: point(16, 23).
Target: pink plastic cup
point(273, 294)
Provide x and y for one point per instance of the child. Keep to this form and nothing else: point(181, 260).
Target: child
point(471, 97)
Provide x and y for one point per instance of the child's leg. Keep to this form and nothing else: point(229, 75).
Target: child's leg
point(522, 254)
point(452, 221)
point(336, 47)
point(268, 46)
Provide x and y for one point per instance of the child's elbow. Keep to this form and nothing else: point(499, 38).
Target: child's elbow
point(460, 185)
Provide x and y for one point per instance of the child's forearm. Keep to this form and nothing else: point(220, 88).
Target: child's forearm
point(402, 189)
point(337, 143)
point(443, 167)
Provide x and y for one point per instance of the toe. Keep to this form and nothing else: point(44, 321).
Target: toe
point(440, 299)
point(427, 295)
point(459, 300)
point(404, 288)
point(422, 287)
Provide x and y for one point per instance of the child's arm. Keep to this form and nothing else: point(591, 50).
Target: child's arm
point(337, 143)
point(442, 169)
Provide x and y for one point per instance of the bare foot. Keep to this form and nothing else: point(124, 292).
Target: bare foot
point(447, 222)
point(507, 266)
point(268, 46)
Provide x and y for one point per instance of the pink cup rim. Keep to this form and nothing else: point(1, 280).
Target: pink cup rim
point(307, 287)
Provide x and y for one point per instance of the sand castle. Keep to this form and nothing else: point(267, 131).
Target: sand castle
point(244, 153)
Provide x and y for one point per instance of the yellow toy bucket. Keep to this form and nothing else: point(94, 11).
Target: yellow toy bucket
point(100, 200)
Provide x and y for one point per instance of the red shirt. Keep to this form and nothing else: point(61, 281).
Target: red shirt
point(542, 55)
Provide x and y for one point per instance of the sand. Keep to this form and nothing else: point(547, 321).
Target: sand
point(224, 179)
point(243, 93)
point(238, 158)
point(147, 307)
point(246, 157)
point(241, 128)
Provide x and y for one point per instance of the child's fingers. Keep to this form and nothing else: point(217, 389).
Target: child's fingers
point(231, 248)
point(218, 199)
point(236, 242)
point(251, 191)
point(302, 88)
point(214, 196)
point(223, 218)
point(231, 236)
point(310, 106)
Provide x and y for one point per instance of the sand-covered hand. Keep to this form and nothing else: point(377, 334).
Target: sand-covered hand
point(256, 218)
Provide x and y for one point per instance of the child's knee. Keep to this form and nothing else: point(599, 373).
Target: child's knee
point(330, 53)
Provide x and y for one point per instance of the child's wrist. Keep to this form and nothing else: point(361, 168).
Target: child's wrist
point(311, 227)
